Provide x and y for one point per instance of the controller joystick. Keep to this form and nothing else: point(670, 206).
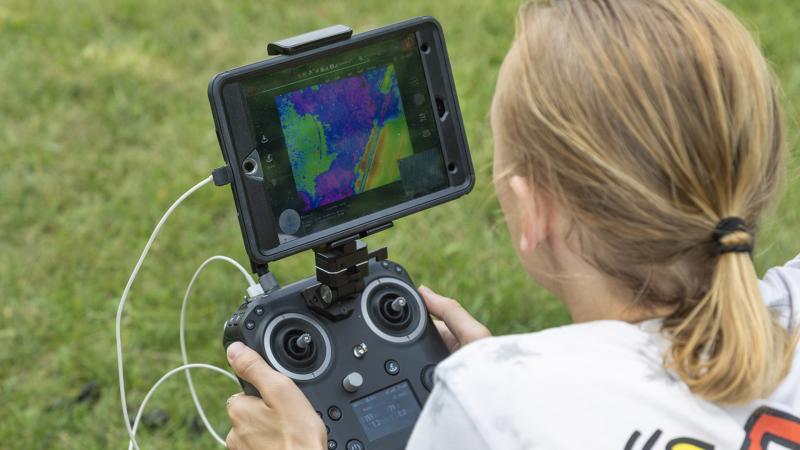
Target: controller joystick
point(297, 346)
point(303, 342)
point(393, 310)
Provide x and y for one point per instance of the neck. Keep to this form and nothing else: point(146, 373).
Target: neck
point(591, 295)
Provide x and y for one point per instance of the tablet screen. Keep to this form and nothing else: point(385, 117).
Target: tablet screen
point(345, 136)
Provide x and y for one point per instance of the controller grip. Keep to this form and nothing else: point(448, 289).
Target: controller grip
point(249, 389)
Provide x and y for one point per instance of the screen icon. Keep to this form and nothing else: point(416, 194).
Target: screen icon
point(289, 221)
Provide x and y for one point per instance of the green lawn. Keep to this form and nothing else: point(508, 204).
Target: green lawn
point(104, 121)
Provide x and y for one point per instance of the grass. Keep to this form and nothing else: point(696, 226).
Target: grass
point(104, 121)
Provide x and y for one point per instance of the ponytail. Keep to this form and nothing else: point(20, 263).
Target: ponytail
point(729, 348)
point(647, 121)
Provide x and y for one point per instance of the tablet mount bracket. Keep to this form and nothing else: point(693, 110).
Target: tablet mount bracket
point(341, 267)
point(309, 41)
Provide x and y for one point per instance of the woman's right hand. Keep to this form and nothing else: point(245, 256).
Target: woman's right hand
point(455, 325)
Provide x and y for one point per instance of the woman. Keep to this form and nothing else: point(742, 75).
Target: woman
point(637, 145)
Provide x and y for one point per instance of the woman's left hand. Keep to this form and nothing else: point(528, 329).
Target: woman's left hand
point(282, 419)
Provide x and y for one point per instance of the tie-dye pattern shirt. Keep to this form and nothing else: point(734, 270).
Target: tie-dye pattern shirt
point(601, 385)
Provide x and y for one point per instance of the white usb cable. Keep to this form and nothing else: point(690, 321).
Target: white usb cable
point(184, 368)
point(253, 289)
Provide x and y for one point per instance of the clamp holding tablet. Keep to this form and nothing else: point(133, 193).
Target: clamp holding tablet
point(309, 41)
point(342, 266)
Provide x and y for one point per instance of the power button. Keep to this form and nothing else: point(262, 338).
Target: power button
point(354, 444)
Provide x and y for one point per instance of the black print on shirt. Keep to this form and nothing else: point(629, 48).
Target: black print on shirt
point(766, 426)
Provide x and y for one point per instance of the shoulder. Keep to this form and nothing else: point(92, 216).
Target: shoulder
point(584, 374)
point(568, 346)
point(557, 363)
point(781, 290)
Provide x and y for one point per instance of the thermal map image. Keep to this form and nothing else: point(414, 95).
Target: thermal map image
point(344, 137)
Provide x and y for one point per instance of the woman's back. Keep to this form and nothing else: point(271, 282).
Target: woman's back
point(601, 384)
point(638, 144)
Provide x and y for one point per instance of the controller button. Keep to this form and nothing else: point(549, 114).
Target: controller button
point(354, 444)
point(385, 264)
point(427, 376)
point(326, 294)
point(352, 382)
point(332, 444)
point(398, 269)
point(391, 366)
point(250, 325)
point(360, 350)
point(259, 310)
point(334, 413)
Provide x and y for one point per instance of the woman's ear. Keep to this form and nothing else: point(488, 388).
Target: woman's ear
point(534, 213)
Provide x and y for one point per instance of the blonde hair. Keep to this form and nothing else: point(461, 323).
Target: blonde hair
point(650, 122)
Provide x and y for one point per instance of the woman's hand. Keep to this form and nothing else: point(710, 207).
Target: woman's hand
point(282, 419)
point(456, 327)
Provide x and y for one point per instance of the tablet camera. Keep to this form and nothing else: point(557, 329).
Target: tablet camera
point(393, 310)
point(297, 346)
point(250, 165)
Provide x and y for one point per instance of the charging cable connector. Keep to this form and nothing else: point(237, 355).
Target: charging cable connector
point(254, 290)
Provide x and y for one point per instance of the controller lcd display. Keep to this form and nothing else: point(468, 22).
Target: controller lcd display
point(345, 136)
point(385, 412)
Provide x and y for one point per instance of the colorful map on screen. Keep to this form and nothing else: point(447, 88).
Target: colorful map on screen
point(344, 137)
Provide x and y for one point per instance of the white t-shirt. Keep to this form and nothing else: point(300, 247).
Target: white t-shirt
point(600, 385)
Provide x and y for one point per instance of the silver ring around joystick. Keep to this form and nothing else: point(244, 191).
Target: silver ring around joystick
point(303, 341)
point(382, 282)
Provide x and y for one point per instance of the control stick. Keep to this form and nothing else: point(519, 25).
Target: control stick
point(398, 304)
point(303, 341)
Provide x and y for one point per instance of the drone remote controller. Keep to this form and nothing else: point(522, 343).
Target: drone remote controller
point(367, 375)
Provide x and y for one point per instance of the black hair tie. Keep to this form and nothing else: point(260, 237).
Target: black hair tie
point(727, 226)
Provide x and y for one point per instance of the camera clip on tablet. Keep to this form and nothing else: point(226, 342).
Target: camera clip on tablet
point(309, 41)
point(341, 265)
